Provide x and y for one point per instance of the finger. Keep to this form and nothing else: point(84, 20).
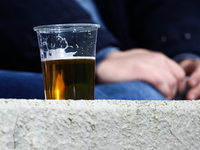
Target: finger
point(162, 87)
point(178, 73)
point(162, 80)
point(173, 73)
point(194, 78)
point(193, 93)
point(171, 83)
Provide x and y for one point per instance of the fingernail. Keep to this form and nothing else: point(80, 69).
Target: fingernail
point(192, 96)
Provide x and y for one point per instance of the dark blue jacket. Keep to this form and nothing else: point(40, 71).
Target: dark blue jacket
point(18, 41)
point(169, 26)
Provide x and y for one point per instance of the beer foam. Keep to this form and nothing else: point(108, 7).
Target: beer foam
point(64, 58)
point(57, 50)
point(60, 53)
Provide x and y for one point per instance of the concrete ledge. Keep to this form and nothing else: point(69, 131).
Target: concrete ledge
point(99, 125)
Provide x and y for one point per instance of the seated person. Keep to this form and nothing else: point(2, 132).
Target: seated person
point(135, 73)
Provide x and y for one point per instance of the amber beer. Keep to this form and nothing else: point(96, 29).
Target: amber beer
point(69, 78)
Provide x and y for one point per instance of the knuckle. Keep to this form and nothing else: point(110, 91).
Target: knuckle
point(173, 83)
point(157, 81)
point(181, 76)
point(158, 56)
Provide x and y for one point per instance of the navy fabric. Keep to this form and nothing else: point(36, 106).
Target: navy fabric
point(27, 85)
point(16, 84)
point(168, 26)
point(132, 90)
point(19, 46)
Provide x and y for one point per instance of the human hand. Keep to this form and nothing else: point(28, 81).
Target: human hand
point(140, 64)
point(192, 69)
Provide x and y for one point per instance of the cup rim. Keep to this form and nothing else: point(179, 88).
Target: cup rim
point(65, 27)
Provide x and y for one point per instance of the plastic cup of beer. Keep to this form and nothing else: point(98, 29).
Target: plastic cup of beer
point(67, 53)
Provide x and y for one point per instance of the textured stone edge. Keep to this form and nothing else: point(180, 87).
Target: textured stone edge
point(108, 124)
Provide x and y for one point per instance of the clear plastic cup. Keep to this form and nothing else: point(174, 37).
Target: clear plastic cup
point(67, 54)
